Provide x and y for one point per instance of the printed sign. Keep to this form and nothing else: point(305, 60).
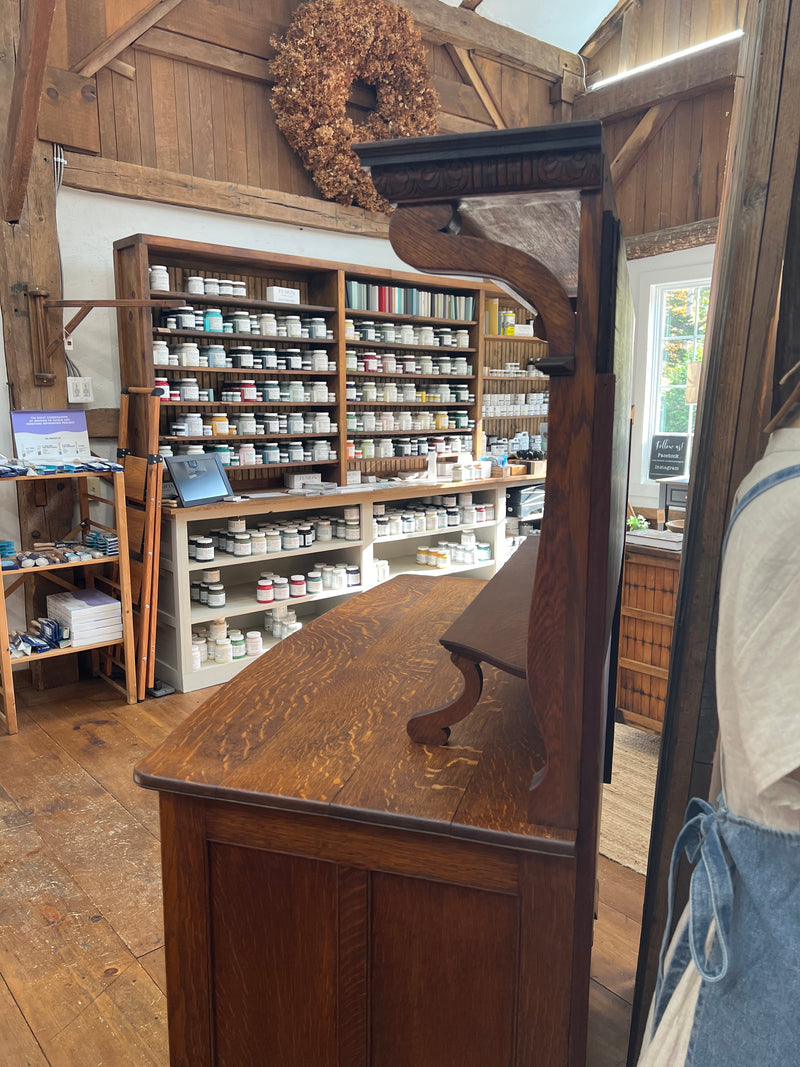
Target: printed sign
point(668, 455)
point(50, 436)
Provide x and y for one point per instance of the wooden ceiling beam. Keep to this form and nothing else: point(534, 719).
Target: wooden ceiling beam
point(470, 5)
point(646, 129)
point(441, 24)
point(124, 36)
point(472, 76)
point(29, 71)
point(692, 75)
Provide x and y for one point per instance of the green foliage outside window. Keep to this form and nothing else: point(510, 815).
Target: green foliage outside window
point(684, 312)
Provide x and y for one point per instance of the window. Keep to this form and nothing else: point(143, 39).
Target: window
point(678, 314)
point(670, 294)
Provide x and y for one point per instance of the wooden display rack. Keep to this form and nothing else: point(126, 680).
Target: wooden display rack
point(61, 574)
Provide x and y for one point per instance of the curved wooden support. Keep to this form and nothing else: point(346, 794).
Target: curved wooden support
point(432, 727)
point(418, 236)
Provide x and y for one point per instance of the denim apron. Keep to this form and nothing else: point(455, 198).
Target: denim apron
point(743, 929)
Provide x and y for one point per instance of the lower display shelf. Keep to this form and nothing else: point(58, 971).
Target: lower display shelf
point(224, 559)
point(69, 650)
point(241, 600)
point(409, 565)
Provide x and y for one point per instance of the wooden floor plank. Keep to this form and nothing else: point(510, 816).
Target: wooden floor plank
point(87, 737)
point(609, 1023)
point(17, 1043)
point(153, 962)
point(125, 1026)
point(615, 951)
point(57, 954)
point(108, 852)
point(620, 887)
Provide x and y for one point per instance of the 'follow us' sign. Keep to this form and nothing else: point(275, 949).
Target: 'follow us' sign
point(668, 455)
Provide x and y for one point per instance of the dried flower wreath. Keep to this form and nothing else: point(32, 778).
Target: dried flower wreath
point(329, 45)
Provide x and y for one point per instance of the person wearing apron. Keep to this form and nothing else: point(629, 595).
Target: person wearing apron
point(728, 991)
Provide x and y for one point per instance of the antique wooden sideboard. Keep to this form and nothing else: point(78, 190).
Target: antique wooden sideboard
point(335, 893)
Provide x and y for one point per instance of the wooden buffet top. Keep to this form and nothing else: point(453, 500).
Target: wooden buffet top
point(318, 725)
point(286, 501)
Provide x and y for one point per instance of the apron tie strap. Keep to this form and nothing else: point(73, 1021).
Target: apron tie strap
point(710, 892)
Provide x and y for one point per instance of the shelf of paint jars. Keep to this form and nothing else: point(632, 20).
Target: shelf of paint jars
point(389, 346)
point(243, 302)
point(236, 372)
point(240, 600)
point(439, 365)
point(360, 313)
point(409, 565)
point(268, 339)
point(415, 375)
point(417, 445)
point(225, 560)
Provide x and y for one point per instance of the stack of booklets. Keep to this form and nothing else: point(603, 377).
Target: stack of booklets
point(92, 617)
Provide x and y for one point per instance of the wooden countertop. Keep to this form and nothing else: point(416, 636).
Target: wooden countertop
point(318, 725)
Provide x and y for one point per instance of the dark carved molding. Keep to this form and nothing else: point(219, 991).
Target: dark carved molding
point(458, 178)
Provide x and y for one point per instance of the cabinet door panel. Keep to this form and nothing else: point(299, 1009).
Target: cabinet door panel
point(274, 952)
point(443, 974)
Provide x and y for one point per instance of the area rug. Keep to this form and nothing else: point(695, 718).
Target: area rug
point(628, 799)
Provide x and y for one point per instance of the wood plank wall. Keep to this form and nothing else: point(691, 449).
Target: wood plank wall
point(678, 178)
point(193, 99)
point(639, 31)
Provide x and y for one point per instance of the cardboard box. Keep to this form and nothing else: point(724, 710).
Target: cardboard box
point(523, 329)
point(281, 295)
point(354, 477)
point(298, 481)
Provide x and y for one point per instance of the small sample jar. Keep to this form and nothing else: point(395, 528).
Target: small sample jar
point(204, 550)
point(159, 278)
point(297, 585)
point(223, 651)
point(242, 545)
point(353, 574)
point(212, 320)
point(305, 531)
point(238, 647)
point(217, 628)
point(194, 591)
point(273, 538)
point(254, 645)
point(189, 389)
point(314, 582)
point(290, 538)
point(241, 322)
point(216, 595)
point(280, 588)
point(265, 593)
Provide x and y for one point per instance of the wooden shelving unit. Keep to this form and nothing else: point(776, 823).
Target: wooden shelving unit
point(177, 613)
point(323, 293)
point(62, 576)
